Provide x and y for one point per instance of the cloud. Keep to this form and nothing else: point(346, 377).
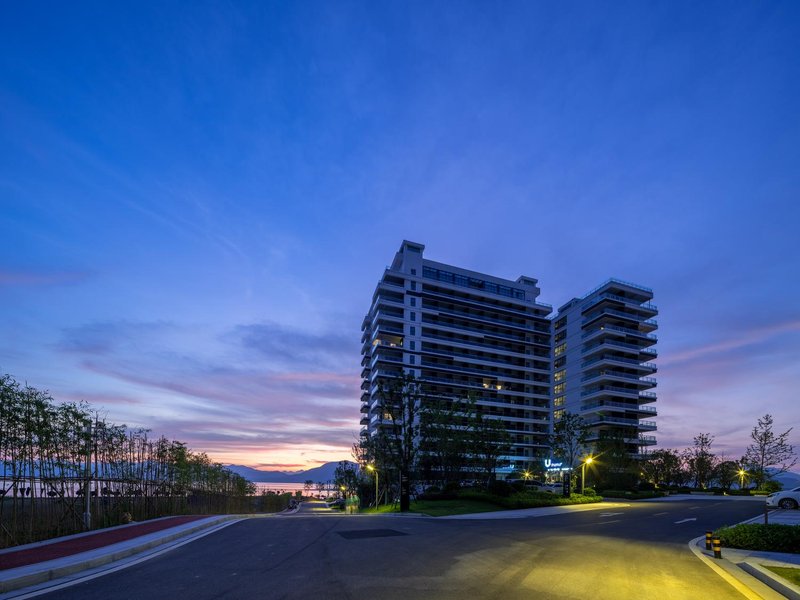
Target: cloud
point(41, 278)
point(288, 346)
point(220, 396)
point(746, 338)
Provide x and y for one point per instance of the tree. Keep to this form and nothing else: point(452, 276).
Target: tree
point(568, 440)
point(445, 426)
point(614, 468)
point(345, 476)
point(490, 441)
point(726, 474)
point(308, 484)
point(664, 468)
point(769, 454)
point(700, 461)
point(399, 401)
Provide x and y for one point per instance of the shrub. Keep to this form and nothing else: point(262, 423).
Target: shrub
point(646, 486)
point(589, 492)
point(628, 495)
point(754, 536)
point(771, 487)
point(738, 492)
point(501, 488)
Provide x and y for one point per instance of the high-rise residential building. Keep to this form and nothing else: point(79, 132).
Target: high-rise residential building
point(602, 369)
point(460, 332)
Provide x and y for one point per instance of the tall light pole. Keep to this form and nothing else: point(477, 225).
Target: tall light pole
point(587, 461)
point(374, 470)
point(742, 473)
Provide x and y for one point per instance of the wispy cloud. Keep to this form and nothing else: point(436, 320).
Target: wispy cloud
point(10, 278)
point(246, 404)
point(743, 339)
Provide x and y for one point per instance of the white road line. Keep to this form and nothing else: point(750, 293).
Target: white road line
point(609, 514)
point(661, 513)
point(685, 521)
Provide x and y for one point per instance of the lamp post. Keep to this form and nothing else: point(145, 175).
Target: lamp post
point(587, 461)
point(374, 470)
point(526, 475)
point(742, 473)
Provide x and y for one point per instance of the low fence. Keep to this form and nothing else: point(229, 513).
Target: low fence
point(36, 510)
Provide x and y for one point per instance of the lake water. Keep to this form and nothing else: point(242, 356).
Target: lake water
point(280, 488)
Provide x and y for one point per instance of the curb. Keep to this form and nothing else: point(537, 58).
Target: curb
point(745, 584)
point(45, 574)
point(780, 585)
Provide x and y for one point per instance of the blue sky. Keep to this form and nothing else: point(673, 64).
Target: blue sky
point(197, 200)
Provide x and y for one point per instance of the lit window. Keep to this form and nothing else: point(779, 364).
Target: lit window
point(560, 375)
point(559, 401)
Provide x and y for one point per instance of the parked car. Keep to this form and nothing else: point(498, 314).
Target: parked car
point(785, 499)
point(338, 503)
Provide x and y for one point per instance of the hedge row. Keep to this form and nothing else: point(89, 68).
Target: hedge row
point(753, 536)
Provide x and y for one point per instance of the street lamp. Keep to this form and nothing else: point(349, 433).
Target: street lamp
point(526, 475)
point(742, 473)
point(589, 460)
point(374, 470)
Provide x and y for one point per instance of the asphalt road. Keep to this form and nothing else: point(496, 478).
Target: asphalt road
point(638, 552)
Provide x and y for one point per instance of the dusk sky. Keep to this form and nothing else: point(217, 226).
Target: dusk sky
point(198, 199)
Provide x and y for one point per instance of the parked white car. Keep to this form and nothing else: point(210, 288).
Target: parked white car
point(785, 499)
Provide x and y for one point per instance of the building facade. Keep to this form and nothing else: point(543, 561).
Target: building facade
point(460, 332)
point(603, 348)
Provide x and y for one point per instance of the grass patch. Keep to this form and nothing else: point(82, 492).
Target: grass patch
point(788, 573)
point(754, 536)
point(473, 501)
point(628, 495)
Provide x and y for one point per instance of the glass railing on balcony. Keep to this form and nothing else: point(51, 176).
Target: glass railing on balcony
point(609, 296)
point(431, 321)
point(611, 389)
point(612, 342)
point(611, 312)
point(647, 395)
point(619, 359)
point(610, 404)
point(616, 329)
point(469, 315)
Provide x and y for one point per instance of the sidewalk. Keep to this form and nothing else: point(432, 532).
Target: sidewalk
point(38, 563)
point(744, 569)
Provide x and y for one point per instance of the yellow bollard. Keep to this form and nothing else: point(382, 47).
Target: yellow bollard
point(717, 547)
point(708, 540)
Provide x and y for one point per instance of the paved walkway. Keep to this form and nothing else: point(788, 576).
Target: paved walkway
point(39, 563)
point(29, 554)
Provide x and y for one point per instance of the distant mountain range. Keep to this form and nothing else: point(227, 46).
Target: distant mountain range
point(322, 473)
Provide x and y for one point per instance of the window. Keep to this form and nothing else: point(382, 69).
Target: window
point(557, 414)
point(413, 301)
point(412, 359)
point(414, 286)
point(560, 349)
point(560, 337)
point(413, 316)
point(559, 362)
point(413, 345)
point(561, 322)
point(559, 401)
point(413, 330)
point(560, 375)
point(559, 388)
point(413, 271)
